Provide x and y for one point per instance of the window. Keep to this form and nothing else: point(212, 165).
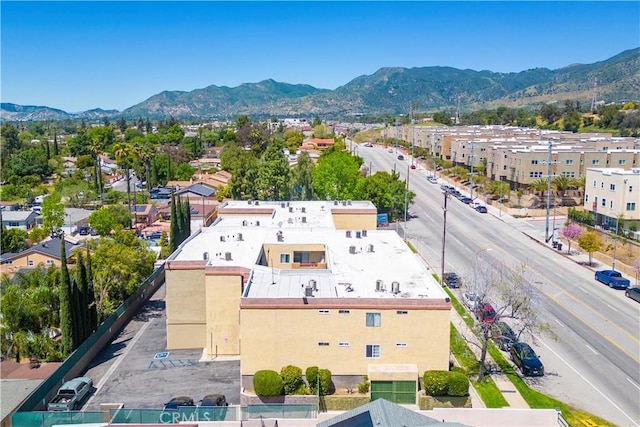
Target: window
point(285, 258)
point(569, 174)
point(631, 206)
point(323, 312)
point(612, 187)
point(604, 203)
point(534, 162)
point(605, 148)
point(372, 351)
point(343, 344)
point(568, 162)
point(594, 183)
point(586, 197)
point(401, 312)
point(374, 320)
point(631, 189)
point(30, 262)
point(323, 344)
point(504, 167)
point(344, 311)
point(49, 262)
point(611, 204)
point(622, 162)
point(301, 257)
point(535, 174)
point(595, 162)
point(401, 344)
point(602, 184)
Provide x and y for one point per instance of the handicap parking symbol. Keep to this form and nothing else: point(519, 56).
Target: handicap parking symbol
point(162, 355)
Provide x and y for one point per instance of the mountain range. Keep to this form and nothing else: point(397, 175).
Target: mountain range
point(388, 91)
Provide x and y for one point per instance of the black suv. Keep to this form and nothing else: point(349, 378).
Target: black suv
point(502, 335)
point(214, 400)
point(452, 280)
point(526, 359)
point(179, 401)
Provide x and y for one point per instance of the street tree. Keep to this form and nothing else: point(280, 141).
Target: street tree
point(66, 305)
point(274, 173)
point(13, 240)
point(513, 296)
point(590, 242)
point(302, 181)
point(184, 172)
point(571, 232)
point(336, 175)
point(52, 213)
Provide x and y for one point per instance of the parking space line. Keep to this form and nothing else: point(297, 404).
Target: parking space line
point(591, 348)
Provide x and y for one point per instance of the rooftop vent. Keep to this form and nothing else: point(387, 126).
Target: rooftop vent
point(249, 202)
point(308, 291)
point(222, 238)
point(348, 233)
point(349, 202)
point(287, 204)
point(369, 248)
point(395, 288)
point(313, 284)
point(240, 237)
point(227, 256)
point(290, 208)
point(304, 219)
point(257, 223)
point(282, 205)
point(335, 203)
point(244, 223)
point(364, 233)
point(344, 203)
point(256, 203)
point(290, 220)
point(280, 237)
point(303, 209)
point(379, 286)
point(352, 249)
point(358, 234)
point(205, 255)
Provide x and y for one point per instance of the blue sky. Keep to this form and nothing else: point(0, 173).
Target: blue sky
point(81, 55)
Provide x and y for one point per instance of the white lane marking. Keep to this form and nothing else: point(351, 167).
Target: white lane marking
point(611, 307)
point(559, 322)
point(591, 348)
point(632, 382)
point(570, 366)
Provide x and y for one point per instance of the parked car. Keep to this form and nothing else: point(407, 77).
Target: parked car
point(470, 300)
point(485, 313)
point(481, 209)
point(400, 157)
point(502, 335)
point(526, 359)
point(214, 400)
point(466, 200)
point(633, 293)
point(452, 280)
point(71, 394)
point(413, 166)
point(612, 278)
point(432, 179)
point(156, 235)
point(179, 401)
point(84, 231)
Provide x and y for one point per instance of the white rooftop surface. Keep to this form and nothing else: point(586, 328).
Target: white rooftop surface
point(380, 255)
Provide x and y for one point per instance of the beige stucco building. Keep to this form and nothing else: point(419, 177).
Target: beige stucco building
point(307, 284)
point(612, 193)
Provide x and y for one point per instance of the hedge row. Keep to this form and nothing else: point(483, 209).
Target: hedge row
point(445, 383)
point(289, 381)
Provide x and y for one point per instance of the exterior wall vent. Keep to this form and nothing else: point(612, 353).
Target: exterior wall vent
point(352, 249)
point(395, 287)
point(227, 256)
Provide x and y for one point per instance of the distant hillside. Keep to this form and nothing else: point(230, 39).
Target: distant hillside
point(387, 91)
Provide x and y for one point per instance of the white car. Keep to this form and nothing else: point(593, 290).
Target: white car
point(470, 300)
point(432, 179)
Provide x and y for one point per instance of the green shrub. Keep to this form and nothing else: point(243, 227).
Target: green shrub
point(458, 384)
point(303, 389)
point(436, 383)
point(458, 369)
point(325, 381)
point(363, 387)
point(312, 378)
point(267, 383)
point(291, 379)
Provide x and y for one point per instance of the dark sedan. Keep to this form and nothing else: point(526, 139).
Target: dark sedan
point(481, 209)
point(633, 293)
point(503, 336)
point(526, 359)
point(178, 402)
point(452, 280)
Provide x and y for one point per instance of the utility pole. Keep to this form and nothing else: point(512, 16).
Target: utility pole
point(406, 196)
point(444, 234)
point(435, 143)
point(546, 232)
point(472, 159)
point(615, 239)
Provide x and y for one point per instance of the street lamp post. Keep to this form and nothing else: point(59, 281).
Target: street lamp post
point(444, 234)
point(406, 196)
point(615, 239)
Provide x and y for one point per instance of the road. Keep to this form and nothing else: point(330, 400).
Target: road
point(592, 354)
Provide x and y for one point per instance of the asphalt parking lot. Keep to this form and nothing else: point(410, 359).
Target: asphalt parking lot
point(138, 371)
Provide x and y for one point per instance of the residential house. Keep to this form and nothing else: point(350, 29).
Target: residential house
point(45, 253)
point(24, 220)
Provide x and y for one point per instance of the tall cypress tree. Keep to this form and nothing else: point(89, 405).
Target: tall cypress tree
point(83, 311)
point(93, 310)
point(187, 225)
point(75, 312)
point(55, 144)
point(179, 221)
point(173, 227)
point(66, 316)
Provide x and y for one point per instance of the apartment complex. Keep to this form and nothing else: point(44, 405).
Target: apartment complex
point(521, 156)
point(612, 194)
point(310, 283)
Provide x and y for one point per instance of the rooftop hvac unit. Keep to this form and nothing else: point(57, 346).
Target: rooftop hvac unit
point(257, 223)
point(280, 238)
point(352, 249)
point(358, 234)
point(395, 287)
point(308, 291)
point(240, 237)
point(287, 204)
point(205, 255)
point(290, 220)
point(227, 256)
point(222, 239)
point(344, 203)
point(303, 209)
point(349, 202)
point(304, 219)
point(370, 248)
point(248, 202)
point(290, 208)
point(282, 205)
point(256, 203)
point(378, 285)
point(348, 233)
point(364, 233)
point(244, 223)
point(313, 284)
point(335, 203)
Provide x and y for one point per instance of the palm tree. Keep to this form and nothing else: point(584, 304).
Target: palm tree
point(123, 152)
point(96, 147)
point(539, 185)
point(562, 183)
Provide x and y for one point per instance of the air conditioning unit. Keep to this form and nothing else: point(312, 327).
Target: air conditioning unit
point(335, 203)
point(370, 248)
point(222, 238)
point(308, 291)
point(364, 233)
point(290, 209)
point(304, 219)
point(352, 249)
point(227, 256)
point(358, 234)
point(348, 233)
point(282, 205)
point(244, 223)
point(257, 223)
point(303, 209)
point(313, 284)
point(379, 285)
point(240, 237)
point(395, 287)
point(205, 255)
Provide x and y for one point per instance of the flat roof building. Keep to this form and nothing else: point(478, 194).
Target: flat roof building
point(307, 284)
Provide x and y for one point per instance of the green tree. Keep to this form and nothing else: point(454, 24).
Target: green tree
point(386, 192)
point(102, 221)
point(9, 142)
point(274, 173)
point(550, 113)
point(66, 315)
point(242, 183)
point(336, 175)
point(302, 182)
point(184, 172)
point(13, 240)
point(123, 153)
point(322, 131)
point(442, 117)
point(293, 139)
point(590, 242)
point(30, 161)
point(174, 230)
point(52, 213)
point(572, 121)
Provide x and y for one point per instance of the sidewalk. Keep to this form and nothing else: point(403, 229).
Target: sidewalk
point(506, 387)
